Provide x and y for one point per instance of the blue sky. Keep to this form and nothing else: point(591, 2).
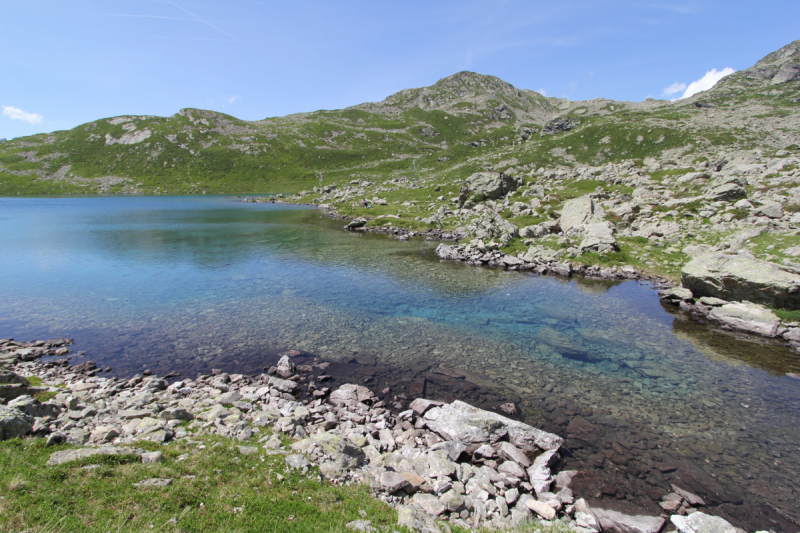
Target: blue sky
point(67, 63)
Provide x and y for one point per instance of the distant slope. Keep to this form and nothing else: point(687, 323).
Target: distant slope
point(444, 132)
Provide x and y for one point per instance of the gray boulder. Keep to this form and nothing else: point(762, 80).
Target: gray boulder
point(560, 124)
point(448, 252)
point(14, 423)
point(701, 523)
point(579, 212)
point(494, 227)
point(729, 192)
point(285, 367)
point(748, 317)
point(464, 423)
point(35, 408)
point(65, 456)
point(356, 223)
point(742, 277)
point(489, 186)
point(612, 521)
point(769, 210)
point(599, 238)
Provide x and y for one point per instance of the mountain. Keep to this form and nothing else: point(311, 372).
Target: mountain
point(413, 150)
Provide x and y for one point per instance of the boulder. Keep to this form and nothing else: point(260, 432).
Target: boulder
point(769, 210)
point(742, 277)
point(494, 227)
point(748, 317)
point(464, 423)
point(285, 367)
point(542, 509)
point(701, 523)
point(599, 238)
point(14, 423)
point(616, 522)
point(489, 185)
point(35, 408)
point(356, 223)
point(579, 212)
point(676, 294)
point(415, 519)
point(728, 192)
point(448, 252)
point(66, 456)
point(560, 124)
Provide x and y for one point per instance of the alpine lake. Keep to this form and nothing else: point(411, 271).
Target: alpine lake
point(644, 396)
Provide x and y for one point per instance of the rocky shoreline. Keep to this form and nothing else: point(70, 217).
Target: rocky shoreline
point(743, 316)
point(436, 463)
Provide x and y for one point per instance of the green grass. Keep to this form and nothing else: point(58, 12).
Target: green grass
point(237, 493)
point(788, 315)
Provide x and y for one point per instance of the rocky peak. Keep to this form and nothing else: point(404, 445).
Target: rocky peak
point(469, 92)
point(776, 68)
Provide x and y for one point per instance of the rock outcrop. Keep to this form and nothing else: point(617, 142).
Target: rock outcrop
point(488, 185)
point(742, 277)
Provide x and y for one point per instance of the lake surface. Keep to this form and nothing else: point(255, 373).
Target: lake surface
point(644, 397)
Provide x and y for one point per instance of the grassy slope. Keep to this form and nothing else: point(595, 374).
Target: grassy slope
point(217, 153)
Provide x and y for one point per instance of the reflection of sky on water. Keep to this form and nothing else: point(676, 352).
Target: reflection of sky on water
point(137, 254)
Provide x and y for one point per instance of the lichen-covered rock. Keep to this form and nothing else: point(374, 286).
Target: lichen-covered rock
point(742, 277)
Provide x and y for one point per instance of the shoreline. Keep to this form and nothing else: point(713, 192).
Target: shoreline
point(761, 324)
point(428, 459)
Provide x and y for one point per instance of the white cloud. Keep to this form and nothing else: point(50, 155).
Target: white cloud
point(232, 99)
point(542, 92)
point(18, 114)
point(674, 88)
point(706, 82)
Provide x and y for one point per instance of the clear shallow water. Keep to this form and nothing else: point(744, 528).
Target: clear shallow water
point(644, 398)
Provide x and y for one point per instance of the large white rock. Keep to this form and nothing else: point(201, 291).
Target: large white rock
point(464, 423)
point(616, 522)
point(701, 523)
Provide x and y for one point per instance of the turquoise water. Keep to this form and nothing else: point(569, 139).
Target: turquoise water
point(644, 397)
